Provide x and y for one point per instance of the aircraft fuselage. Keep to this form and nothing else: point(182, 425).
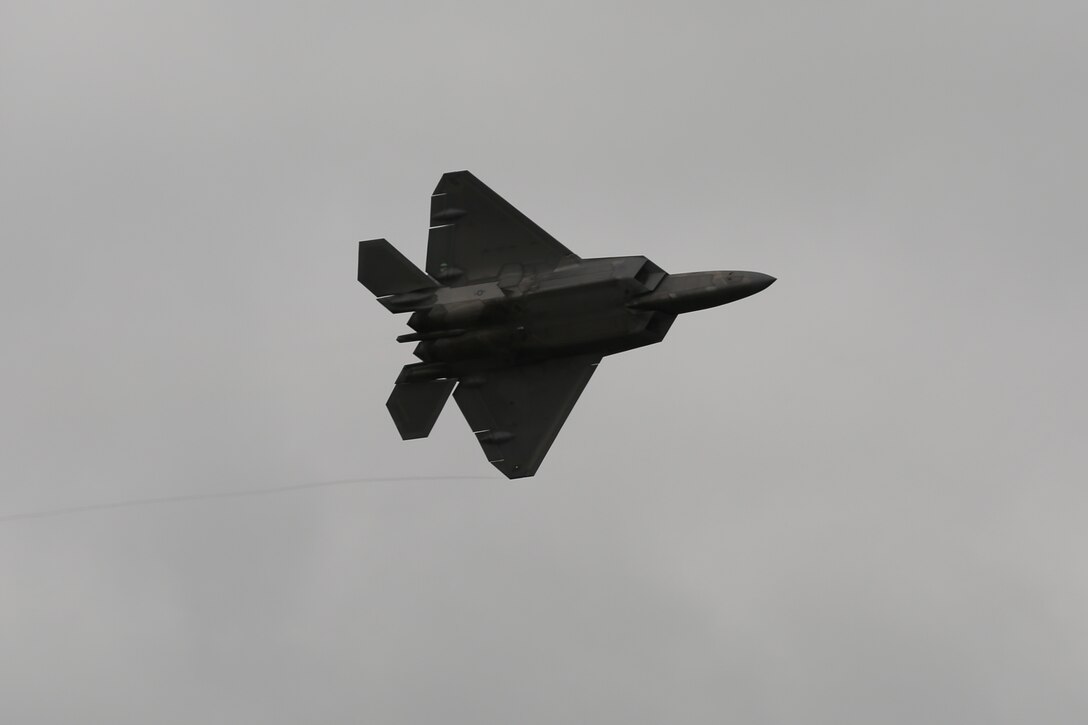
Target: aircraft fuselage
point(603, 306)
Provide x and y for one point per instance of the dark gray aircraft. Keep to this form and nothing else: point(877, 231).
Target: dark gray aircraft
point(516, 321)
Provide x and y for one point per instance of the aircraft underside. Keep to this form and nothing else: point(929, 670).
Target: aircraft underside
point(513, 324)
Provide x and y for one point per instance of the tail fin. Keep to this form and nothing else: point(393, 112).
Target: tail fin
point(415, 406)
point(385, 271)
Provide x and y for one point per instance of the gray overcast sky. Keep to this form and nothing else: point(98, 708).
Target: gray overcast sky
point(859, 497)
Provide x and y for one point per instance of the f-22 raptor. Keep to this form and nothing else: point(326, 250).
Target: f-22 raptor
point(516, 321)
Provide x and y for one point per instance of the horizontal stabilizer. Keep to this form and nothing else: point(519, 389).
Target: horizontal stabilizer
point(385, 271)
point(415, 406)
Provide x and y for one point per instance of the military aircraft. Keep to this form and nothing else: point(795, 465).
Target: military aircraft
point(516, 321)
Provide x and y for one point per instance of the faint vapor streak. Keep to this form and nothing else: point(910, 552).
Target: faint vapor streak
point(182, 498)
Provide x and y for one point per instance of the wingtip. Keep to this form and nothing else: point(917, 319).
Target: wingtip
point(453, 178)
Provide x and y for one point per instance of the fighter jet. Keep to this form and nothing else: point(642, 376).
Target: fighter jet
point(516, 321)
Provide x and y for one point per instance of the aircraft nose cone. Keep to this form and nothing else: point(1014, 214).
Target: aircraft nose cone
point(758, 281)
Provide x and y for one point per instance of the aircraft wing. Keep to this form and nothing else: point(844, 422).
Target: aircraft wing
point(517, 412)
point(475, 232)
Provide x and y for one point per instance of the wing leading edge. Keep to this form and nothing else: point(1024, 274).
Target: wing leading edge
point(475, 233)
point(517, 412)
